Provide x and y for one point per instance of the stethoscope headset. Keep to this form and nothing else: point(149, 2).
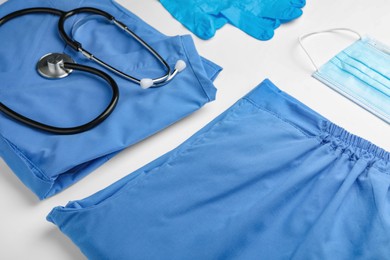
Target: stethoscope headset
point(59, 65)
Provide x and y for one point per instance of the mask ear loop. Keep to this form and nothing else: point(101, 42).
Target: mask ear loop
point(303, 37)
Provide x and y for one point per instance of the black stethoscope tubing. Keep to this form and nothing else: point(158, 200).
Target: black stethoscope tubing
point(62, 130)
point(144, 83)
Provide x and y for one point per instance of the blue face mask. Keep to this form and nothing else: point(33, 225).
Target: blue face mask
point(360, 72)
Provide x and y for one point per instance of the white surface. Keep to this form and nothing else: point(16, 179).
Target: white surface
point(24, 232)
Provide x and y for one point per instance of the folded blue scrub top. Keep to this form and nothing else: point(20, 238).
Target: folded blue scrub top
point(267, 179)
point(48, 163)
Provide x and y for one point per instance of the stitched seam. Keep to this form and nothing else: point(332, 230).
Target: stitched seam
point(376, 49)
point(136, 18)
point(320, 140)
point(184, 48)
point(29, 164)
point(117, 6)
point(195, 74)
point(376, 206)
point(280, 118)
point(146, 174)
point(186, 53)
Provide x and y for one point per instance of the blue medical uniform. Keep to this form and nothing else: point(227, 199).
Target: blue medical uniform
point(48, 163)
point(267, 179)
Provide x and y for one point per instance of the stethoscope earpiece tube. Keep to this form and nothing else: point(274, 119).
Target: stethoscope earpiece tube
point(68, 66)
point(61, 24)
point(22, 12)
point(54, 70)
point(144, 83)
point(77, 129)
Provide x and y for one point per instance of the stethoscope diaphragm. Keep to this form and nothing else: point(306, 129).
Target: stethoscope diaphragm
point(52, 66)
point(60, 65)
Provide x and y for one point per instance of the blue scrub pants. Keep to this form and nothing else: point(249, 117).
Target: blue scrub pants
point(267, 179)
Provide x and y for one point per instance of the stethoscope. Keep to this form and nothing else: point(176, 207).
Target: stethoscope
point(60, 65)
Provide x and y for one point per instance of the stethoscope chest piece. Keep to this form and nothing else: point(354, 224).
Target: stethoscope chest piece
point(60, 65)
point(52, 65)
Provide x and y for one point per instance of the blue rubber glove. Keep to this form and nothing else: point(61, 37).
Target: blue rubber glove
point(283, 10)
point(258, 18)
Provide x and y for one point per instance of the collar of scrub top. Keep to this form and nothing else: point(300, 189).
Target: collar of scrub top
point(59, 65)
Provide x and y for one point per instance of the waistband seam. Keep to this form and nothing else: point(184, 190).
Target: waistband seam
point(337, 132)
point(276, 115)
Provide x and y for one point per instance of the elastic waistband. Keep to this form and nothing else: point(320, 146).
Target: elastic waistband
point(269, 98)
point(355, 141)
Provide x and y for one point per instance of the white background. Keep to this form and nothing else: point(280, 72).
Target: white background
point(24, 232)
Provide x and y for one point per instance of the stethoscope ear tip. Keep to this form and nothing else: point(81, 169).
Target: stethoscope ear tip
point(180, 65)
point(146, 83)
